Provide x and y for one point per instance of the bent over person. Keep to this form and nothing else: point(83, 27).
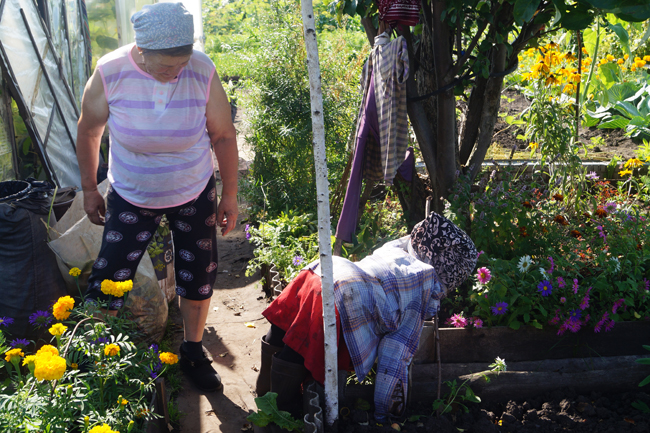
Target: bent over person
point(166, 112)
point(381, 302)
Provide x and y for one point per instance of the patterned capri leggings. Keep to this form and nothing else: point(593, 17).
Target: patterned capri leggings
point(128, 230)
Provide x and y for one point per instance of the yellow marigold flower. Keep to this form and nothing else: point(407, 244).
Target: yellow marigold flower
point(104, 428)
point(639, 63)
point(75, 272)
point(168, 358)
point(116, 288)
point(122, 401)
point(620, 61)
point(646, 58)
point(14, 353)
point(610, 57)
point(111, 350)
point(623, 173)
point(49, 367)
point(58, 329)
point(62, 307)
point(603, 61)
point(533, 145)
point(584, 51)
point(633, 163)
point(627, 56)
point(552, 80)
point(29, 359)
point(74, 366)
point(47, 349)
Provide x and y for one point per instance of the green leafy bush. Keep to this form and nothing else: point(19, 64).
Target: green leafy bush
point(277, 103)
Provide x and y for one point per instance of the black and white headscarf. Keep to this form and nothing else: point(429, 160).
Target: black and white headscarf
point(441, 244)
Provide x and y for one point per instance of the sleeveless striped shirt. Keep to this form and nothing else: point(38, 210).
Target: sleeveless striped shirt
point(160, 153)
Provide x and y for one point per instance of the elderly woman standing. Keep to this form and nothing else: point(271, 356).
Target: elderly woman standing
point(165, 109)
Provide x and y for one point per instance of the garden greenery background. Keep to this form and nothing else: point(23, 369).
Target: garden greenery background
point(511, 215)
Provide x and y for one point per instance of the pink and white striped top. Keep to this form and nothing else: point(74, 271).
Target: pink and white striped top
point(160, 153)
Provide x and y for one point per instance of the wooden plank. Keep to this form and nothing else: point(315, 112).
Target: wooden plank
point(527, 344)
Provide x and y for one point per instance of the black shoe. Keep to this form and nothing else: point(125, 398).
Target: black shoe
point(201, 372)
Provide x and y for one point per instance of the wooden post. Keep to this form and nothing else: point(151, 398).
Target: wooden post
point(324, 232)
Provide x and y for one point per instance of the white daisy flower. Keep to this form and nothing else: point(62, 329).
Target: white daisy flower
point(524, 264)
point(542, 271)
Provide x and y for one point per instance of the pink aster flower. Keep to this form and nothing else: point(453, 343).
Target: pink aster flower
point(609, 325)
point(560, 282)
point(562, 300)
point(478, 323)
point(575, 286)
point(550, 271)
point(483, 275)
point(457, 321)
point(585, 302)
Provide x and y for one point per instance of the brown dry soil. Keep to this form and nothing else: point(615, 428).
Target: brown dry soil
point(235, 325)
point(602, 144)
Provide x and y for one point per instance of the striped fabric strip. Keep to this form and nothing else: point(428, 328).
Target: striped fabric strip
point(390, 65)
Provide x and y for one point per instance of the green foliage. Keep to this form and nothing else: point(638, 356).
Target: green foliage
point(268, 412)
point(277, 103)
point(624, 105)
point(457, 396)
point(596, 259)
point(289, 241)
point(382, 221)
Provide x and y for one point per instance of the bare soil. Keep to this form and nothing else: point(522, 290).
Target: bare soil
point(601, 144)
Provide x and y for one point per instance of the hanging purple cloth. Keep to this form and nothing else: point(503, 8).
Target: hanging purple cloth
point(368, 129)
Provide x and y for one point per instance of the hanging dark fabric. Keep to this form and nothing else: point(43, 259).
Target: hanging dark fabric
point(395, 12)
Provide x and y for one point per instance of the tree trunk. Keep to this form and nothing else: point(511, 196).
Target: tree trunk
point(469, 128)
point(446, 132)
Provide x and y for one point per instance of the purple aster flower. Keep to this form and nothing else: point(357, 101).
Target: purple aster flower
point(584, 304)
point(575, 315)
point(573, 325)
point(647, 283)
point(297, 260)
point(500, 308)
point(19, 343)
point(617, 305)
point(100, 340)
point(610, 207)
point(154, 347)
point(6, 321)
point(550, 259)
point(560, 282)
point(545, 287)
point(40, 319)
point(592, 176)
point(601, 233)
point(609, 325)
point(575, 286)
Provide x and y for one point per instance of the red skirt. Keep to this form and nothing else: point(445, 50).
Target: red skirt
point(299, 312)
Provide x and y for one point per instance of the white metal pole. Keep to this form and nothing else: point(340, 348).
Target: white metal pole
point(324, 232)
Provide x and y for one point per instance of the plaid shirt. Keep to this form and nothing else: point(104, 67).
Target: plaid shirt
point(383, 301)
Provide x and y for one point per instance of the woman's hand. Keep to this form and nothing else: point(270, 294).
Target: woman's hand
point(227, 213)
point(94, 207)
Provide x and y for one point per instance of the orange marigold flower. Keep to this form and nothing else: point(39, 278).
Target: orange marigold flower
point(601, 213)
point(575, 233)
point(560, 220)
